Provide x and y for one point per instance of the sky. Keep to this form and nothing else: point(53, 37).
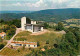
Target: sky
point(35, 5)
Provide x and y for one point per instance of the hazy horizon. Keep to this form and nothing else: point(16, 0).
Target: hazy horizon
point(39, 10)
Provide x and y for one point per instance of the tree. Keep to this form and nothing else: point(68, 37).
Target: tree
point(1, 20)
point(55, 45)
point(23, 47)
point(5, 28)
point(60, 26)
point(28, 20)
point(47, 42)
point(38, 44)
point(77, 34)
point(16, 22)
point(70, 37)
point(18, 50)
point(45, 47)
point(1, 46)
point(71, 29)
point(11, 46)
point(1, 39)
point(46, 25)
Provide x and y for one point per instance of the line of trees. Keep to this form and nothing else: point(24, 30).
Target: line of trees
point(15, 22)
point(58, 27)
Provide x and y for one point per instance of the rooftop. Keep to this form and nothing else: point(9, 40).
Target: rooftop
point(24, 42)
point(34, 24)
point(2, 33)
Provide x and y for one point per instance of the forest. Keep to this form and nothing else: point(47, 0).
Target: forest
point(49, 15)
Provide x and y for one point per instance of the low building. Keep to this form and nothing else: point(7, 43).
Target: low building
point(27, 44)
point(3, 34)
point(32, 27)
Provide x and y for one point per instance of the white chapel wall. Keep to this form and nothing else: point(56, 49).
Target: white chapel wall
point(23, 22)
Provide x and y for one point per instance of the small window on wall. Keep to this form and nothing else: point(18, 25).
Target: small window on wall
point(34, 45)
point(19, 44)
point(28, 45)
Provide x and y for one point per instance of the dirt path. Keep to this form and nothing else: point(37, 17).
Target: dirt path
point(18, 30)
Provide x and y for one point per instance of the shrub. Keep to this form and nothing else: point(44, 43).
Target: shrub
point(1, 46)
point(11, 46)
point(38, 44)
point(45, 47)
point(23, 47)
point(47, 42)
point(18, 50)
point(55, 45)
point(1, 39)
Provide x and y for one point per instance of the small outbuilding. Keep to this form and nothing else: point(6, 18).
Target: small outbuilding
point(26, 44)
point(3, 34)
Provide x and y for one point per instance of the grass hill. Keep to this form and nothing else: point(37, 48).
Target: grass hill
point(50, 15)
point(25, 35)
point(42, 38)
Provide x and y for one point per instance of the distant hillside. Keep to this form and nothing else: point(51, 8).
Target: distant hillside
point(53, 15)
point(1, 12)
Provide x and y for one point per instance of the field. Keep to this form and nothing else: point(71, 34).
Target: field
point(73, 20)
point(14, 52)
point(72, 23)
point(25, 35)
